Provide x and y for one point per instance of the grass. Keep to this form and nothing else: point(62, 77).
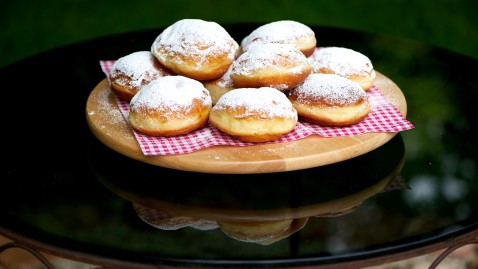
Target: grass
point(29, 27)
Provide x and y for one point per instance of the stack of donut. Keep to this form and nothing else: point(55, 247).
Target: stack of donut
point(196, 73)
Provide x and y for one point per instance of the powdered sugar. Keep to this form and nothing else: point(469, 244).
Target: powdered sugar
point(284, 31)
point(194, 38)
point(342, 61)
point(225, 81)
point(137, 66)
point(266, 101)
point(329, 89)
point(107, 108)
point(383, 118)
point(171, 93)
point(281, 58)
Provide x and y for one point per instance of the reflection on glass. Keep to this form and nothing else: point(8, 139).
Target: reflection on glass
point(262, 210)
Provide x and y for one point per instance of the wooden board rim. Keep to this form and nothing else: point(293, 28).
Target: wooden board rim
point(110, 127)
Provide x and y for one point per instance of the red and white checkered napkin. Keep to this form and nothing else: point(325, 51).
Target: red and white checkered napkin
point(383, 118)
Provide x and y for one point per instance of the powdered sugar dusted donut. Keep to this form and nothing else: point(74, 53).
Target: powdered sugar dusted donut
point(284, 32)
point(280, 66)
point(195, 48)
point(254, 114)
point(131, 72)
point(170, 106)
point(344, 62)
point(330, 100)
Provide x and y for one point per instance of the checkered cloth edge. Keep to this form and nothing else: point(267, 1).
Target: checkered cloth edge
point(384, 117)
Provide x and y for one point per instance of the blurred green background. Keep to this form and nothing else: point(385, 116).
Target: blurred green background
point(31, 26)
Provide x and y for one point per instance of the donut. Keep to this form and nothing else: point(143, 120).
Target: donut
point(195, 48)
point(219, 86)
point(254, 114)
point(170, 106)
point(280, 66)
point(129, 73)
point(284, 32)
point(330, 100)
point(344, 62)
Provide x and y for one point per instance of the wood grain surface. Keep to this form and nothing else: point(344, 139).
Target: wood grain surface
point(110, 127)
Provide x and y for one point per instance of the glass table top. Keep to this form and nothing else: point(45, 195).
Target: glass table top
point(63, 187)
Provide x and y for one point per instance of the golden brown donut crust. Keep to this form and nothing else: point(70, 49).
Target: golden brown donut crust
point(335, 117)
point(273, 65)
point(218, 87)
point(254, 114)
point(252, 128)
point(131, 72)
point(160, 122)
point(330, 100)
point(195, 48)
point(170, 106)
point(344, 62)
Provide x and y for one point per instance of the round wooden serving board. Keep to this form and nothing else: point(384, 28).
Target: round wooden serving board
point(110, 127)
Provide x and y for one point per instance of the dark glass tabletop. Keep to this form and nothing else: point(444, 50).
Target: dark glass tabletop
point(62, 187)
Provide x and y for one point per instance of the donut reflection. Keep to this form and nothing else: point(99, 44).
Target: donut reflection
point(257, 208)
point(260, 231)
